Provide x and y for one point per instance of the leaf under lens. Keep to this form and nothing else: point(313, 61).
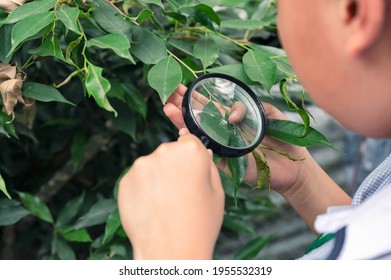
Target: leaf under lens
point(214, 124)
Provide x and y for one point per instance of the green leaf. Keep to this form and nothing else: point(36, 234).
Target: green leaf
point(206, 50)
point(184, 46)
point(63, 250)
point(29, 9)
point(263, 170)
point(135, 99)
point(11, 213)
point(29, 27)
point(79, 235)
point(5, 43)
point(98, 86)
point(143, 15)
point(243, 24)
point(70, 210)
point(292, 133)
point(6, 126)
point(156, 2)
point(292, 106)
point(147, 46)
point(284, 66)
point(69, 16)
point(112, 224)
point(117, 42)
point(36, 206)
point(234, 70)
point(238, 224)
point(97, 215)
point(110, 20)
point(50, 47)
point(203, 14)
point(3, 188)
point(252, 248)
point(126, 120)
point(165, 77)
point(260, 68)
point(43, 93)
point(214, 124)
point(78, 149)
point(238, 168)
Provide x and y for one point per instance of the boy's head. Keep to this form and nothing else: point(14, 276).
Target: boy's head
point(341, 51)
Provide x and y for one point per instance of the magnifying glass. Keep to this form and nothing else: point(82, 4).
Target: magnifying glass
point(225, 114)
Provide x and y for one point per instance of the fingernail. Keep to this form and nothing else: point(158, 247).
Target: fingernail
point(183, 131)
point(233, 117)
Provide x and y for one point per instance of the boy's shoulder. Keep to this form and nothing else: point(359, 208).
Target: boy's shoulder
point(362, 232)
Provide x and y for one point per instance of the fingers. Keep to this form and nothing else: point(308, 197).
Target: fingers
point(272, 112)
point(238, 112)
point(183, 131)
point(177, 96)
point(175, 115)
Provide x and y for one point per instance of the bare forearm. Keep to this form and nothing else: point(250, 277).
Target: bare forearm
point(314, 192)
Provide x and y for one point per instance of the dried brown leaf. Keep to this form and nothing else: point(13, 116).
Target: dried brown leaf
point(7, 72)
point(11, 91)
point(10, 5)
point(10, 87)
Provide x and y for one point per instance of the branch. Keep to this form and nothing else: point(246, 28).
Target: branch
point(62, 176)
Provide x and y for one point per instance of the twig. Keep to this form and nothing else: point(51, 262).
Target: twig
point(62, 176)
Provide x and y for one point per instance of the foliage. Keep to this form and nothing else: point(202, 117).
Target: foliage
point(93, 76)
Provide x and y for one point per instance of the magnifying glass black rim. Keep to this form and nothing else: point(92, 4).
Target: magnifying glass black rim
point(197, 130)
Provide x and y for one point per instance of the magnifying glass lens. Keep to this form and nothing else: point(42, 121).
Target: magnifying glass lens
point(227, 111)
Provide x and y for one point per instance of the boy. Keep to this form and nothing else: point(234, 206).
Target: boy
point(171, 202)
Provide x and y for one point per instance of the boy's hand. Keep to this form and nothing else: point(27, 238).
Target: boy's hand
point(284, 172)
point(172, 202)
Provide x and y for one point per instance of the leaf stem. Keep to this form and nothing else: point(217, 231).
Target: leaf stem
point(184, 64)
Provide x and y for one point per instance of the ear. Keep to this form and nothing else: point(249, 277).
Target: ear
point(364, 20)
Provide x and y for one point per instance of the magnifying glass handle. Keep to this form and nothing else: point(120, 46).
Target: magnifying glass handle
point(204, 141)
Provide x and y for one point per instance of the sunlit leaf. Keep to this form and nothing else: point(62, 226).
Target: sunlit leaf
point(29, 9)
point(50, 47)
point(69, 16)
point(79, 235)
point(117, 42)
point(3, 188)
point(260, 68)
point(29, 27)
point(292, 133)
point(143, 15)
point(97, 86)
point(165, 77)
